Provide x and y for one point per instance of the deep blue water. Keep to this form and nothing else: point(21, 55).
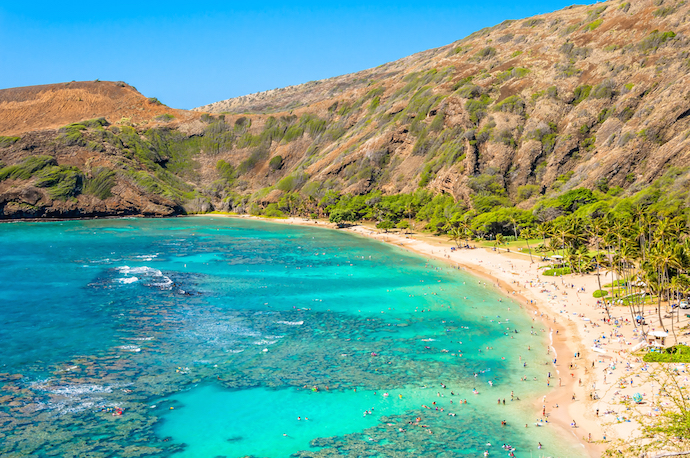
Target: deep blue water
point(213, 335)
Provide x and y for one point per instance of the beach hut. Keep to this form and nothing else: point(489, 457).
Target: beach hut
point(657, 338)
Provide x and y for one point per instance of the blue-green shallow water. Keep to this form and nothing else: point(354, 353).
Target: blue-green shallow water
point(214, 335)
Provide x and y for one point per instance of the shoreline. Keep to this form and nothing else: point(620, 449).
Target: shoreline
point(564, 337)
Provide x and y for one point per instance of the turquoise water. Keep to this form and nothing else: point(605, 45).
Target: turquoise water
point(220, 337)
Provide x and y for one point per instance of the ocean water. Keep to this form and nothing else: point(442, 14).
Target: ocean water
point(217, 337)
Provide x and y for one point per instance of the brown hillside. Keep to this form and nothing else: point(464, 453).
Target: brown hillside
point(25, 109)
point(588, 94)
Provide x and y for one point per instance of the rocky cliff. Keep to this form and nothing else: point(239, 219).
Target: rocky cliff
point(583, 96)
point(592, 96)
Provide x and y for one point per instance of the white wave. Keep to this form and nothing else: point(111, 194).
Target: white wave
point(165, 283)
point(158, 279)
point(142, 338)
point(147, 257)
point(72, 398)
point(291, 323)
point(139, 270)
point(78, 390)
point(128, 280)
point(132, 348)
point(265, 342)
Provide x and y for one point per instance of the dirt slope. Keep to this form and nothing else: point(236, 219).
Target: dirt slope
point(584, 96)
point(25, 109)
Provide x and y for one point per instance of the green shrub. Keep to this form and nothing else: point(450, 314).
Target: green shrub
point(664, 11)
point(292, 182)
point(462, 82)
point(654, 40)
point(293, 133)
point(604, 90)
point(100, 183)
point(335, 132)
point(469, 91)
point(242, 123)
point(27, 168)
point(505, 136)
point(575, 198)
point(275, 163)
point(477, 108)
point(165, 117)
point(62, 182)
point(485, 53)
point(612, 48)
point(386, 225)
point(526, 191)
point(313, 125)
point(225, 170)
point(600, 293)
point(593, 25)
point(437, 124)
point(72, 137)
point(581, 93)
point(674, 354)
point(589, 143)
point(532, 22)
point(426, 176)
point(272, 211)
point(567, 70)
point(512, 104)
point(71, 134)
point(258, 155)
point(512, 73)
point(573, 52)
point(8, 141)
point(557, 272)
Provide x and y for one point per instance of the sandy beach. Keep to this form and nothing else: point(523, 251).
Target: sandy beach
point(590, 384)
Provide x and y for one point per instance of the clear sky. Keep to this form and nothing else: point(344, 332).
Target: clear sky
point(197, 52)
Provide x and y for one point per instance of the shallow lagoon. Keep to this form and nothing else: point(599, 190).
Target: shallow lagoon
point(212, 333)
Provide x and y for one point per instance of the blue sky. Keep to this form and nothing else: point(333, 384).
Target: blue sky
point(192, 53)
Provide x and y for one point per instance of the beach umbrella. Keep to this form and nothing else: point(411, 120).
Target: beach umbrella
point(637, 397)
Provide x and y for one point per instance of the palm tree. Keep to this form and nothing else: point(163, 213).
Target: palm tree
point(564, 233)
point(594, 231)
point(663, 256)
point(455, 234)
point(499, 240)
point(527, 233)
point(544, 230)
point(466, 227)
point(513, 220)
point(584, 260)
